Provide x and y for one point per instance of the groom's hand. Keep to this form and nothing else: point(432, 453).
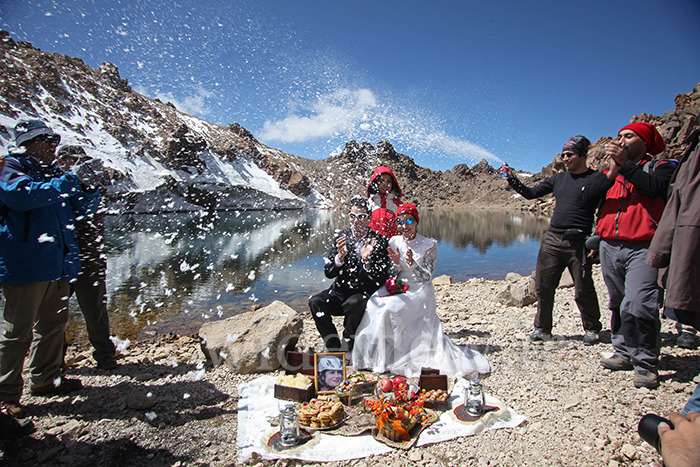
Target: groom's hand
point(342, 244)
point(367, 250)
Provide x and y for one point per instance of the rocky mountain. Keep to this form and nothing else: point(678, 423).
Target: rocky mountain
point(161, 159)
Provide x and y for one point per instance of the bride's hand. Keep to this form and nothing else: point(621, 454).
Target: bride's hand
point(395, 255)
point(409, 257)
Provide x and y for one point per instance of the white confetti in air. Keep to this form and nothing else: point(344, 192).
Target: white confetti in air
point(150, 416)
point(121, 345)
point(184, 267)
point(251, 276)
point(185, 396)
point(199, 375)
point(266, 353)
point(46, 238)
point(200, 365)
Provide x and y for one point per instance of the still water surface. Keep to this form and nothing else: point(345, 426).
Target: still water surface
point(173, 272)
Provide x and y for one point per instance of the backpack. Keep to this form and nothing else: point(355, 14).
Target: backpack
point(651, 165)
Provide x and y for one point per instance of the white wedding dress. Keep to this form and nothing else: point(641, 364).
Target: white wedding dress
point(402, 333)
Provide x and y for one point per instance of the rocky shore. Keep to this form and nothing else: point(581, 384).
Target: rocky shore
point(165, 405)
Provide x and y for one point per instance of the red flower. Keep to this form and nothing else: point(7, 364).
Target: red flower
point(394, 286)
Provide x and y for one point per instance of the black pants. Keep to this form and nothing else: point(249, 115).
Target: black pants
point(325, 305)
point(556, 254)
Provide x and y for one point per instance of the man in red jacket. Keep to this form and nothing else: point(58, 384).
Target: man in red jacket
point(627, 222)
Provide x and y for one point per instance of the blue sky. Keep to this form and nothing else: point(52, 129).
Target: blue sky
point(447, 82)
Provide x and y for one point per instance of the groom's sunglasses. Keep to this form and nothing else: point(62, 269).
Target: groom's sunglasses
point(407, 222)
point(361, 217)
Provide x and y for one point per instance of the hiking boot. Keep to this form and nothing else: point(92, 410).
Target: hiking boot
point(616, 363)
point(590, 338)
point(538, 336)
point(107, 364)
point(13, 429)
point(687, 340)
point(12, 408)
point(64, 386)
point(645, 379)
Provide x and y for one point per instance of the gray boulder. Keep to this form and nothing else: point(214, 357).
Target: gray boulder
point(518, 292)
point(442, 280)
point(566, 280)
point(253, 342)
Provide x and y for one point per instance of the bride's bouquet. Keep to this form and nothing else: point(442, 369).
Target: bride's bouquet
point(395, 286)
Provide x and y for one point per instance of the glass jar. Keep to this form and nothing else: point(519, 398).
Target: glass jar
point(474, 398)
point(289, 426)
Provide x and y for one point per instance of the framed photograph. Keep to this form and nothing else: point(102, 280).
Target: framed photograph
point(329, 371)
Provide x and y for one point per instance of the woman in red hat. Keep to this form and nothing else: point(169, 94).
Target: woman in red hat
point(384, 196)
point(400, 331)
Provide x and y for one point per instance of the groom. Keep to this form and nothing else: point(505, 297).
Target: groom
point(359, 263)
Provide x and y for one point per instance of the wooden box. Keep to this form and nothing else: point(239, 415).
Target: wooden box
point(430, 380)
point(299, 362)
point(295, 394)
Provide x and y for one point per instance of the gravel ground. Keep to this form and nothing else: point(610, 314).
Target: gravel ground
point(165, 406)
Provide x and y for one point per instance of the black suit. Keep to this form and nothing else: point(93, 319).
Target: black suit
point(353, 285)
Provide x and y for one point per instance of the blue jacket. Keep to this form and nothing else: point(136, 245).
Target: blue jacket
point(38, 207)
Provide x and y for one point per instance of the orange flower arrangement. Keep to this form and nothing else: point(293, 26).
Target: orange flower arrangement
point(400, 413)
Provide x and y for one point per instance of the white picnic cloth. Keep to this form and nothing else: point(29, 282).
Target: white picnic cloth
point(257, 405)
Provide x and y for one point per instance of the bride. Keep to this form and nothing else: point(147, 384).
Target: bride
point(401, 333)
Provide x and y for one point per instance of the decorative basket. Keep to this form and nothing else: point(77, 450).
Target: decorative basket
point(390, 433)
point(349, 396)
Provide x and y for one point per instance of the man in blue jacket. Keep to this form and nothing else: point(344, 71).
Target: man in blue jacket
point(38, 258)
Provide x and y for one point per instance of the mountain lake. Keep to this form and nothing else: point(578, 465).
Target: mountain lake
point(173, 272)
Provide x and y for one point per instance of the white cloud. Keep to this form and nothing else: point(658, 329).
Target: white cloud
point(358, 114)
point(338, 112)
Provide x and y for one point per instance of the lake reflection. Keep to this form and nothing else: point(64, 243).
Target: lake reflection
point(172, 272)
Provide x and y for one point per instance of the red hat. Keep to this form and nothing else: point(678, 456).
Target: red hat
point(650, 135)
point(408, 208)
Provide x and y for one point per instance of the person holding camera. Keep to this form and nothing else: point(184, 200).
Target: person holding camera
point(578, 192)
point(680, 445)
point(90, 288)
point(38, 258)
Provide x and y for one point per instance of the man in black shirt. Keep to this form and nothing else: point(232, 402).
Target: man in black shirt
point(578, 192)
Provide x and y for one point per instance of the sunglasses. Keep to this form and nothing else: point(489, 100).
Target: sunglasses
point(407, 222)
point(359, 217)
point(49, 139)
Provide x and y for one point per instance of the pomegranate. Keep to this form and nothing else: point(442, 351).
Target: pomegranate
point(386, 385)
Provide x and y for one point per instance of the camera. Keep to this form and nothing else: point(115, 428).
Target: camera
point(648, 429)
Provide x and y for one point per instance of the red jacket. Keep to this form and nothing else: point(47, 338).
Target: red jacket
point(383, 207)
point(634, 203)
